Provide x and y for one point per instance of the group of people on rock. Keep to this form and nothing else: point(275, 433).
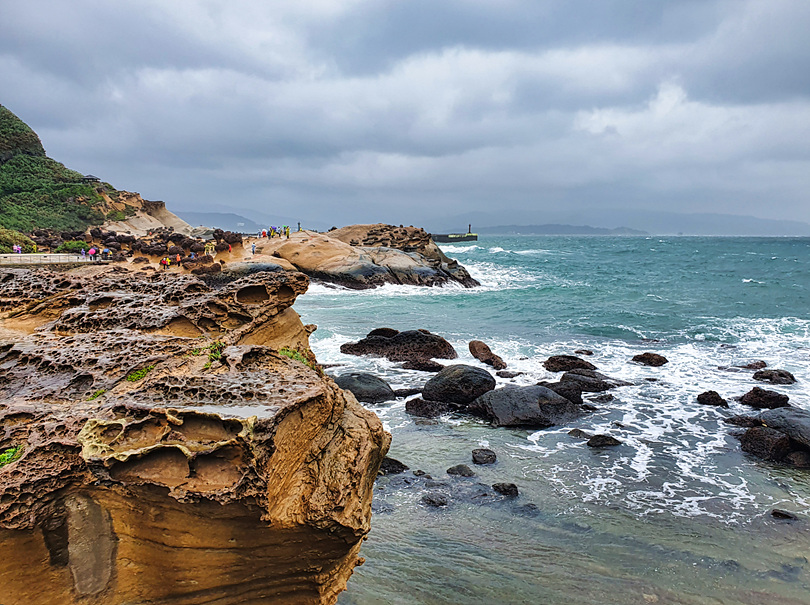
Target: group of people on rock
point(93, 253)
point(274, 231)
point(168, 261)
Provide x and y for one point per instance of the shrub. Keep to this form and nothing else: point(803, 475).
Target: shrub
point(140, 374)
point(116, 215)
point(10, 238)
point(297, 356)
point(73, 247)
point(11, 454)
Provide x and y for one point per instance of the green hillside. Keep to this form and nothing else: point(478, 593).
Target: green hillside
point(37, 192)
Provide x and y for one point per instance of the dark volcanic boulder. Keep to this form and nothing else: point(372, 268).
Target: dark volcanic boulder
point(754, 365)
point(650, 359)
point(402, 346)
point(423, 365)
point(775, 376)
point(483, 456)
point(532, 406)
point(384, 332)
point(510, 490)
point(743, 421)
point(427, 409)
point(712, 398)
point(765, 442)
point(569, 390)
point(564, 363)
point(461, 470)
point(484, 354)
point(793, 422)
point(591, 381)
point(366, 387)
point(458, 384)
point(392, 466)
point(764, 399)
point(603, 441)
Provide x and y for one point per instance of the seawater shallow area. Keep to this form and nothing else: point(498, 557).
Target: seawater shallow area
point(676, 514)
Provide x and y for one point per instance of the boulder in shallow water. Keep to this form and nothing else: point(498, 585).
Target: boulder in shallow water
point(603, 441)
point(766, 443)
point(434, 499)
point(402, 346)
point(484, 456)
point(569, 390)
point(579, 434)
point(426, 408)
point(366, 387)
point(712, 398)
point(793, 422)
point(743, 421)
point(754, 365)
point(764, 399)
point(461, 470)
point(564, 363)
point(591, 381)
point(508, 374)
point(650, 359)
point(484, 354)
point(531, 407)
point(458, 383)
point(510, 490)
point(423, 365)
point(783, 515)
point(775, 376)
point(391, 466)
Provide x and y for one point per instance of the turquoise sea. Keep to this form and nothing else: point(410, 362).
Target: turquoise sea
point(676, 514)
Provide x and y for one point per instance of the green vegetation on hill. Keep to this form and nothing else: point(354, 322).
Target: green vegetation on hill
point(9, 239)
point(37, 192)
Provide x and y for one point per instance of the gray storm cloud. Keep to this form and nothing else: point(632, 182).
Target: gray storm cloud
point(356, 110)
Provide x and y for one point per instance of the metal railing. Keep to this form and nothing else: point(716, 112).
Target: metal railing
point(45, 259)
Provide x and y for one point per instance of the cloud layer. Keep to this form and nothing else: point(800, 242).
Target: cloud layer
point(360, 110)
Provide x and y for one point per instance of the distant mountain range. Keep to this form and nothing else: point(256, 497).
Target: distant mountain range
point(649, 221)
point(554, 229)
point(256, 221)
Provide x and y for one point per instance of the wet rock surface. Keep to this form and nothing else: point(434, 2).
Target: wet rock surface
point(712, 398)
point(532, 406)
point(484, 456)
point(484, 354)
point(410, 345)
point(366, 387)
point(458, 384)
point(188, 411)
point(775, 376)
point(764, 399)
point(650, 359)
point(564, 363)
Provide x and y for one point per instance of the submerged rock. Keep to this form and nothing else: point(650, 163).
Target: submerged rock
point(783, 515)
point(366, 387)
point(603, 441)
point(650, 359)
point(484, 354)
point(531, 406)
point(391, 466)
point(458, 383)
point(591, 381)
point(461, 470)
point(510, 490)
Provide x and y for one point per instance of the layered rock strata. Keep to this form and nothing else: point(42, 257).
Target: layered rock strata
point(175, 443)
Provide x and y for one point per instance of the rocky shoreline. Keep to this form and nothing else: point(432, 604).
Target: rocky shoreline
point(779, 433)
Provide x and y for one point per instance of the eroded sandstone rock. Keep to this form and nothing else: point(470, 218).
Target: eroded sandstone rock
point(177, 441)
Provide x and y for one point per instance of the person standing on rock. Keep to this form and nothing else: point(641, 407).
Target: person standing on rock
point(253, 248)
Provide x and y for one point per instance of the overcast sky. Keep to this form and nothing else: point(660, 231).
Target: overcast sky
point(405, 111)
